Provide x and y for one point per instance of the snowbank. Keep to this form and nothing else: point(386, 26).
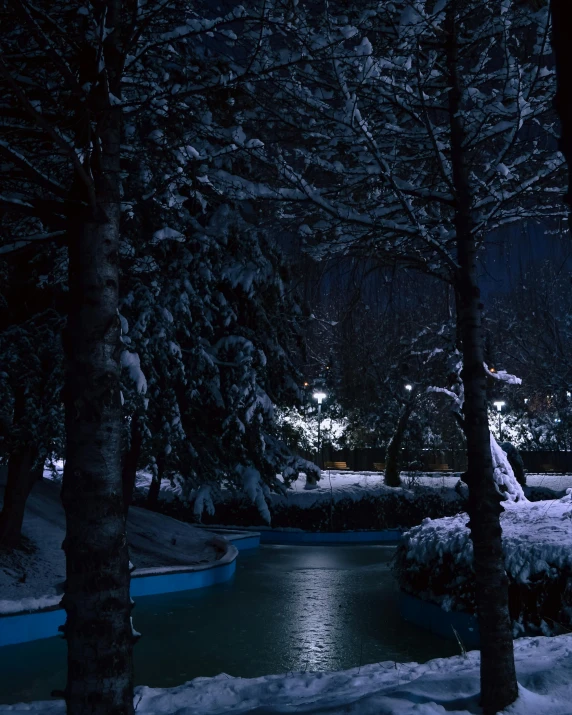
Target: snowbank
point(445, 685)
point(434, 562)
point(32, 577)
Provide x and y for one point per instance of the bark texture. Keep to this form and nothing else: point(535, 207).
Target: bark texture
point(97, 602)
point(498, 676)
point(392, 461)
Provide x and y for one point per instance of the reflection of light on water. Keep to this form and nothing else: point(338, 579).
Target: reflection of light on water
point(316, 599)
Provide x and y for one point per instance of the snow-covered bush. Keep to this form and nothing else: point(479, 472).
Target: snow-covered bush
point(434, 563)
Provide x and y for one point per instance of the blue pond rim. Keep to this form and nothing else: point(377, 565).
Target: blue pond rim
point(31, 626)
point(433, 618)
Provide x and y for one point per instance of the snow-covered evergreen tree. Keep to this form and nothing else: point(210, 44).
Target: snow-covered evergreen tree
point(216, 334)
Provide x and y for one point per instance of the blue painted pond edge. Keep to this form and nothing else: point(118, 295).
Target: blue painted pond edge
point(433, 618)
point(25, 627)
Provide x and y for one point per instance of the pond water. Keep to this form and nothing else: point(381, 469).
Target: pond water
point(288, 608)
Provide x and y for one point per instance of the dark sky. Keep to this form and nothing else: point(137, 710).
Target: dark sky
point(515, 250)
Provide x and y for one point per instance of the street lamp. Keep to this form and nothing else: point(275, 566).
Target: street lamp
point(499, 404)
point(408, 388)
point(320, 397)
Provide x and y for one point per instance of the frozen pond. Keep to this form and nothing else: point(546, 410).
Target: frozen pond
point(288, 608)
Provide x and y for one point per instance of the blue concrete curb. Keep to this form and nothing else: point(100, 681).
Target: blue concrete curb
point(433, 618)
point(275, 536)
point(181, 581)
point(25, 627)
point(244, 543)
point(242, 538)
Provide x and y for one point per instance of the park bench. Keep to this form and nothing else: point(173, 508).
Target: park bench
point(440, 468)
point(336, 465)
point(379, 466)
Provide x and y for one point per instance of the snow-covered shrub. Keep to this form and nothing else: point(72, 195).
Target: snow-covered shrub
point(434, 563)
point(388, 509)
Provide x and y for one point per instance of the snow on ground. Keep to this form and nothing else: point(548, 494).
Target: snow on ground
point(355, 483)
point(445, 686)
point(339, 485)
point(33, 577)
point(537, 537)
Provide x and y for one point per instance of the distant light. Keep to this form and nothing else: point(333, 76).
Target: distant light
point(558, 419)
point(491, 369)
point(525, 400)
point(409, 387)
point(320, 396)
point(499, 404)
point(305, 384)
point(568, 394)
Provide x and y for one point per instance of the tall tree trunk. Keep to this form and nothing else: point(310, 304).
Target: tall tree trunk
point(392, 462)
point(97, 602)
point(498, 676)
point(130, 463)
point(22, 475)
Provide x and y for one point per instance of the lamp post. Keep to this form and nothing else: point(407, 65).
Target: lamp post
point(499, 404)
point(320, 397)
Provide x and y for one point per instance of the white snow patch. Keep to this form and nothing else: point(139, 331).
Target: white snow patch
point(167, 233)
point(536, 538)
point(132, 363)
point(155, 541)
point(254, 489)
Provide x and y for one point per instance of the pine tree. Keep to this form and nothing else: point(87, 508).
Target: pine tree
point(216, 338)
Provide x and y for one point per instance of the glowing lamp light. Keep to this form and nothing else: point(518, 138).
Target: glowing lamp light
point(408, 388)
point(499, 404)
point(319, 396)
